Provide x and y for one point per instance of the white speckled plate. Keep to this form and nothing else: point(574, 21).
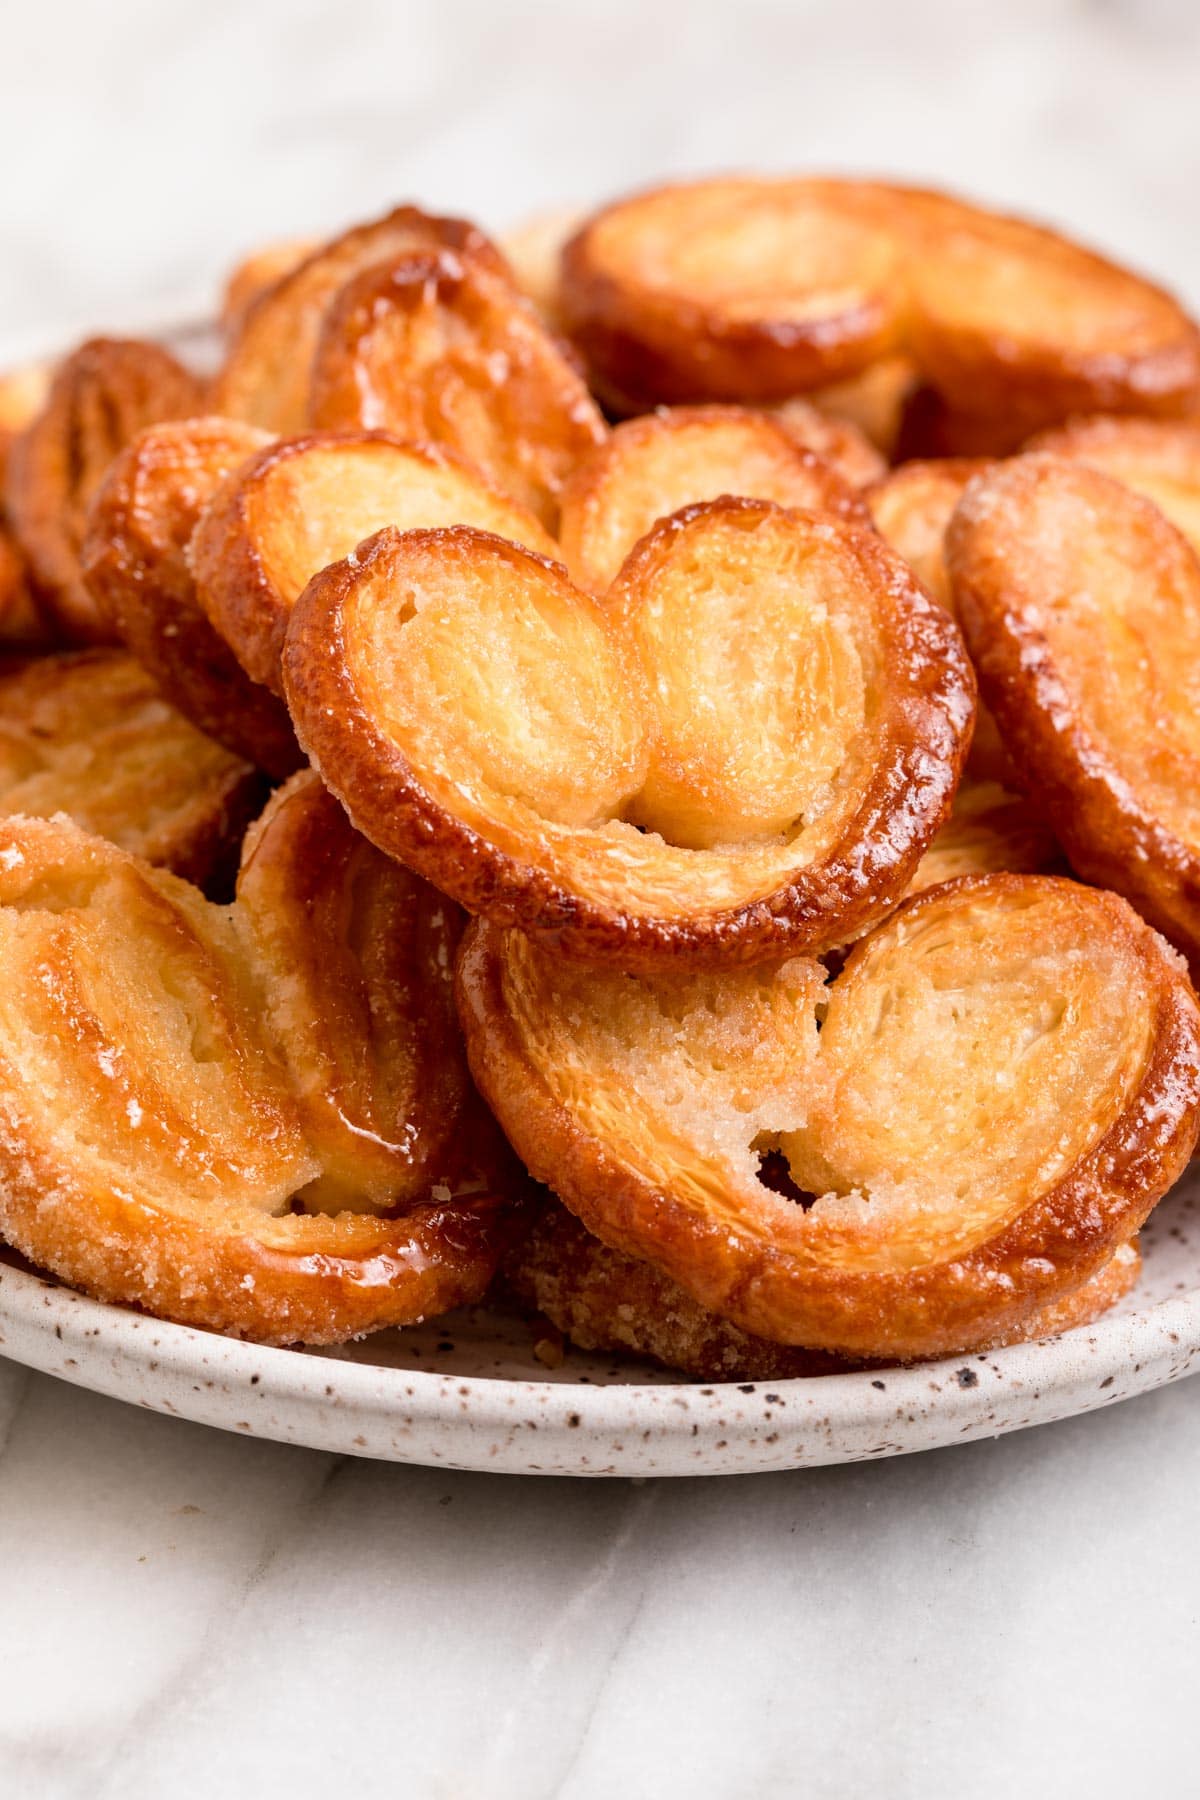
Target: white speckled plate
point(467, 1392)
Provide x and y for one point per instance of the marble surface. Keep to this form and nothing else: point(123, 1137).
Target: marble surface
point(186, 1613)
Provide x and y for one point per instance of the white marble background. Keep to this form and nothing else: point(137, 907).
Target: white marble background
point(183, 1613)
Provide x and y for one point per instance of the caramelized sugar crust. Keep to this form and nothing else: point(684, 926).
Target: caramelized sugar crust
point(1081, 605)
point(306, 502)
point(441, 349)
point(603, 1299)
point(99, 399)
point(267, 371)
point(1158, 458)
point(760, 289)
point(170, 1108)
point(744, 751)
point(652, 466)
point(135, 563)
point(1005, 1079)
point(87, 733)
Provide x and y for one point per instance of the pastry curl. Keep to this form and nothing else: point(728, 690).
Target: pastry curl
point(169, 1125)
point(98, 400)
point(1005, 1080)
point(1081, 605)
point(441, 349)
point(306, 502)
point(265, 378)
point(666, 460)
point(742, 753)
point(602, 1299)
point(87, 733)
point(134, 561)
point(744, 290)
point(760, 289)
point(1159, 458)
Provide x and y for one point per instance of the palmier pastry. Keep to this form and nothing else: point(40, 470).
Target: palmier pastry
point(256, 274)
point(759, 289)
point(266, 375)
point(743, 752)
point(441, 349)
point(184, 1089)
point(836, 440)
point(100, 398)
point(1005, 1080)
point(1159, 458)
point(135, 564)
point(1081, 604)
point(989, 831)
point(88, 733)
point(743, 290)
point(604, 1299)
point(304, 503)
point(912, 508)
point(654, 465)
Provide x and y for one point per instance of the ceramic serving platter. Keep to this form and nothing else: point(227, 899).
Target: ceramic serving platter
point(468, 1392)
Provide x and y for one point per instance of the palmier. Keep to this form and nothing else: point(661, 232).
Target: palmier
point(912, 508)
point(760, 289)
point(744, 751)
point(1159, 458)
point(739, 289)
point(265, 379)
point(99, 399)
point(1005, 1080)
point(988, 831)
point(1081, 604)
point(135, 563)
point(305, 502)
point(655, 465)
point(184, 1088)
point(441, 349)
point(258, 272)
point(88, 733)
point(604, 1299)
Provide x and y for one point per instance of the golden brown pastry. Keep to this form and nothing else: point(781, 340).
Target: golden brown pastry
point(760, 289)
point(873, 402)
point(835, 439)
point(653, 466)
point(134, 561)
point(256, 274)
point(1159, 458)
point(265, 379)
point(988, 831)
point(441, 349)
point(732, 289)
point(100, 398)
point(87, 733)
point(20, 621)
point(171, 1075)
point(306, 502)
point(23, 392)
point(533, 250)
point(912, 508)
point(743, 752)
point(1081, 605)
point(603, 1299)
point(1005, 1080)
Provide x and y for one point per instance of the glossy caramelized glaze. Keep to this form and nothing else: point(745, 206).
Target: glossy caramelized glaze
point(306, 502)
point(652, 466)
point(87, 733)
point(160, 1131)
point(1005, 1078)
point(100, 397)
point(135, 564)
point(1081, 604)
point(267, 371)
point(442, 349)
point(1159, 458)
point(745, 750)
